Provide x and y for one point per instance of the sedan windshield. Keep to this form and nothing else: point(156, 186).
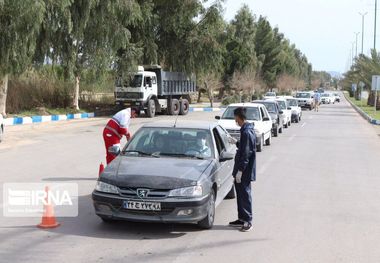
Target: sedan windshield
point(325, 95)
point(292, 102)
point(270, 94)
point(271, 107)
point(282, 104)
point(252, 113)
point(174, 142)
point(303, 95)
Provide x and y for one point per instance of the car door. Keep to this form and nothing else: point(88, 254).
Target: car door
point(267, 124)
point(223, 174)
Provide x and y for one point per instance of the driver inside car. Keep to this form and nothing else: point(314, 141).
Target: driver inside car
point(202, 144)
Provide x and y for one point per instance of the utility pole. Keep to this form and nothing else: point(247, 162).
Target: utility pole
point(363, 15)
point(374, 32)
point(356, 51)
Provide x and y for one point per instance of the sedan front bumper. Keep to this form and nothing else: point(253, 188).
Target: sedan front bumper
point(111, 206)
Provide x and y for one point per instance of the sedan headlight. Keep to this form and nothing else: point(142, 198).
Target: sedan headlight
point(106, 188)
point(193, 191)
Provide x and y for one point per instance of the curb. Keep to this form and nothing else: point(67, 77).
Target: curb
point(48, 118)
point(85, 115)
point(362, 113)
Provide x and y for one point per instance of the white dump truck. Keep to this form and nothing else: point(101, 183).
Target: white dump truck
point(156, 91)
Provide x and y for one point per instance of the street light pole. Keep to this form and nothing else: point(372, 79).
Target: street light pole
point(356, 51)
point(363, 15)
point(374, 32)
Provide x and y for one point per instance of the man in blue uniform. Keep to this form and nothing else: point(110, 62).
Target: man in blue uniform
point(244, 170)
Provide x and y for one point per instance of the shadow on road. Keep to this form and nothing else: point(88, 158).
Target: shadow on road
point(88, 224)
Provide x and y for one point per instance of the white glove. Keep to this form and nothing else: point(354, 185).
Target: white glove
point(238, 177)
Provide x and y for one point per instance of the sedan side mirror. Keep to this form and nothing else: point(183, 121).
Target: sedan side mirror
point(281, 112)
point(217, 117)
point(114, 149)
point(266, 119)
point(289, 108)
point(226, 156)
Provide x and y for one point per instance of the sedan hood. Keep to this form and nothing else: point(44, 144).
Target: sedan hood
point(156, 173)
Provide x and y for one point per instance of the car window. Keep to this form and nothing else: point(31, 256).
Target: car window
point(253, 113)
point(271, 107)
point(226, 137)
point(263, 115)
point(171, 142)
point(282, 104)
point(219, 141)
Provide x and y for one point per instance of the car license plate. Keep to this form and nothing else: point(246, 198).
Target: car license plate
point(147, 206)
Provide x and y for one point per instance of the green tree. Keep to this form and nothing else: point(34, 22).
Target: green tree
point(20, 22)
point(240, 49)
point(86, 34)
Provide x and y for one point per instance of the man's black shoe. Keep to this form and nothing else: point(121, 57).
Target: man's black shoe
point(246, 227)
point(237, 223)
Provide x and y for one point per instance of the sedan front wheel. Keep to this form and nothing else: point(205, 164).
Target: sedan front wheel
point(208, 221)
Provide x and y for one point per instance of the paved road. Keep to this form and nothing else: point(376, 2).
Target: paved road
point(317, 199)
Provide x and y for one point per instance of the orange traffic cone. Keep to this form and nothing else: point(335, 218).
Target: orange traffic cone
point(101, 168)
point(48, 218)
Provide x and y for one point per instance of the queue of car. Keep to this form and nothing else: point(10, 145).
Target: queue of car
point(180, 171)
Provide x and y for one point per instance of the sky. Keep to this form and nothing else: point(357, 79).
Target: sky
point(324, 30)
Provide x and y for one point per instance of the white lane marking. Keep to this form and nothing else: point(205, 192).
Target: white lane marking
point(303, 124)
point(291, 138)
point(310, 117)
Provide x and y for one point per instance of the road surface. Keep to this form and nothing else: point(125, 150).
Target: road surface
point(316, 199)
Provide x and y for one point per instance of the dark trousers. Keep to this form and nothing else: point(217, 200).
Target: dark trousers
point(244, 200)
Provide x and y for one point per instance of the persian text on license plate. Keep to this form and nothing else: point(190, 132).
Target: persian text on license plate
point(148, 206)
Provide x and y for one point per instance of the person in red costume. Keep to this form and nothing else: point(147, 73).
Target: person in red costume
point(116, 128)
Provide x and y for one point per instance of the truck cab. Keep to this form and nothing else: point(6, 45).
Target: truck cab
point(155, 91)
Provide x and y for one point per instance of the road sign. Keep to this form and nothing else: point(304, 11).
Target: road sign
point(376, 82)
point(354, 87)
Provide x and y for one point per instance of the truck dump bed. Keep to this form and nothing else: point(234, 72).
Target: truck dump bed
point(173, 83)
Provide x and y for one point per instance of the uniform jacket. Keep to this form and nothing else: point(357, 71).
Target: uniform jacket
point(245, 158)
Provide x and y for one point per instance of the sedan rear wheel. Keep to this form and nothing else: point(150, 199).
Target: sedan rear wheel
point(208, 221)
point(259, 147)
point(268, 141)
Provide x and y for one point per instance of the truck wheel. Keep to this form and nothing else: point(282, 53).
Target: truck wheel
point(184, 107)
point(151, 111)
point(174, 107)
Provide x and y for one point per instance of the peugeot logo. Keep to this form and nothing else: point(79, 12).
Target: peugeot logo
point(142, 193)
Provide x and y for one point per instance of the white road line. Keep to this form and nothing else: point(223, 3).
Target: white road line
point(303, 124)
point(291, 137)
point(310, 117)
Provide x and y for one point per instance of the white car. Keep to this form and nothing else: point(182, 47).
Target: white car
point(256, 114)
point(337, 97)
point(327, 98)
point(305, 99)
point(296, 109)
point(287, 111)
point(2, 125)
point(269, 95)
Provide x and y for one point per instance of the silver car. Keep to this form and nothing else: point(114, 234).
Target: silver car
point(168, 172)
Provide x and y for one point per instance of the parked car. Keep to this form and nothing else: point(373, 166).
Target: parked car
point(168, 172)
point(296, 110)
point(2, 127)
point(327, 98)
point(256, 114)
point(337, 97)
point(305, 99)
point(287, 111)
point(276, 114)
point(269, 95)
